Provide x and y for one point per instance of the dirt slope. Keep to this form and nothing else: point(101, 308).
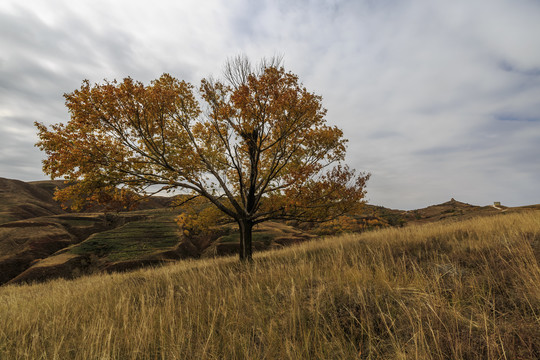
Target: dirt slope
point(20, 200)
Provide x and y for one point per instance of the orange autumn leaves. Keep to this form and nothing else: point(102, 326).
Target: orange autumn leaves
point(258, 148)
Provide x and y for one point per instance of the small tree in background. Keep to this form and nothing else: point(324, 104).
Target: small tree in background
point(256, 145)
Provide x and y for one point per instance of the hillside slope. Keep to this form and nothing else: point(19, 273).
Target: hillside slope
point(24, 243)
point(40, 241)
point(446, 290)
point(21, 200)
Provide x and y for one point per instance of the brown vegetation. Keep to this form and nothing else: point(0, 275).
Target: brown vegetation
point(446, 290)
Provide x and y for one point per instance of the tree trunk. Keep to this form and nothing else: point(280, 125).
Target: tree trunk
point(246, 228)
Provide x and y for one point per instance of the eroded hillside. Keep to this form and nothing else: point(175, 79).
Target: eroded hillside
point(39, 240)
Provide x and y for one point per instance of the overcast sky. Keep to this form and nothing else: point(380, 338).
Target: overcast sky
point(439, 99)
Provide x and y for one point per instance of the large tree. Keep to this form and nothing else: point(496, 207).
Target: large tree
point(256, 145)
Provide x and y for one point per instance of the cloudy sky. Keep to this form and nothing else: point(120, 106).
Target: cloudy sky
point(439, 99)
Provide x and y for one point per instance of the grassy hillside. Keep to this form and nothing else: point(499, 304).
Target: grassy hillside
point(461, 290)
point(133, 239)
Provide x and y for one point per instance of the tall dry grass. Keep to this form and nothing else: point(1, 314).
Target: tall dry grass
point(467, 290)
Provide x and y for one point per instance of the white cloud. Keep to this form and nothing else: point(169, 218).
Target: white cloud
point(437, 98)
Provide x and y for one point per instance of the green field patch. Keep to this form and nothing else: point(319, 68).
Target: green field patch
point(261, 237)
point(132, 240)
point(167, 212)
point(80, 221)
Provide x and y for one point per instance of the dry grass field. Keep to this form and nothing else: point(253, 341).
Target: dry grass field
point(454, 290)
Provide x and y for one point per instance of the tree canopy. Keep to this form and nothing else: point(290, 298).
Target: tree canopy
point(256, 144)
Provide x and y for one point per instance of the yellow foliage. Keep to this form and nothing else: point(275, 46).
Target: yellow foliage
point(198, 217)
point(261, 149)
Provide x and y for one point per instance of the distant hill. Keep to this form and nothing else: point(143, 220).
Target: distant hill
point(39, 240)
point(21, 200)
point(452, 210)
